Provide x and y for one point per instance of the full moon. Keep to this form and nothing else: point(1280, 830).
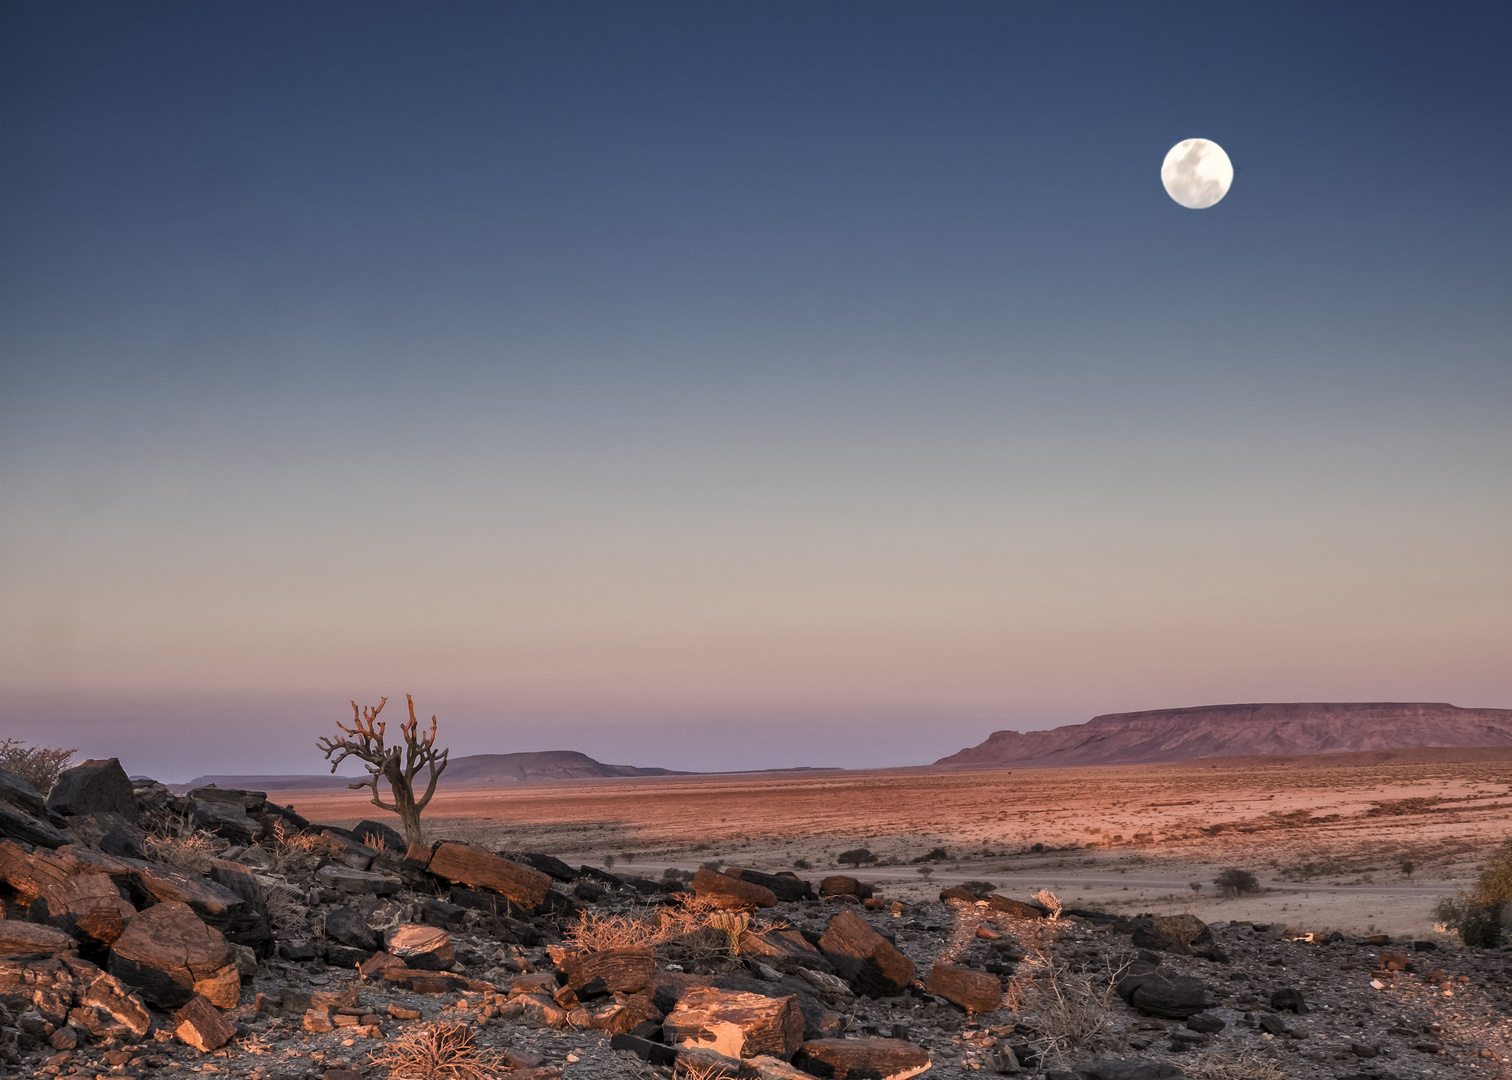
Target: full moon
point(1197, 173)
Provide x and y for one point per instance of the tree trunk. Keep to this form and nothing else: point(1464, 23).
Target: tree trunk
point(404, 803)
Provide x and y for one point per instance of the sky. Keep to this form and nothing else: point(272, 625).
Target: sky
point(743, 385)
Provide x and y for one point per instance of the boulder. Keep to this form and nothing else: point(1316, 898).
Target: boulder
point(380, 837)
point(346, 850)
point(87, 906)
point(732, 892)
point(1174, 997)
point(735, 1024)
point(785, 950)
point(1288, 999)
point(956, 892)
point(974, 991)
point(224, 818)
point(546, 864)
point(463, 865)
point(788, 888)
point(199, 1025)
point(864, 958)
point(843, 885)
point(24, 940)
point(96, 785)
point(1014, 909)
point(632, 1014)
point(424, 948)
point(169, 954)
point(347, 927)
point(23, 813)
point(345, 879)
point(609, 971)
point(1182, 935)
point(863, 1059)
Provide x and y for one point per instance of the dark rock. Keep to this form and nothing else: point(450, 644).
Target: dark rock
point(589, 891)
point(96, 785)
point(301, 952)
point(224, 819)
point(546, 864)
point(345, 926)
point(21, 795)
point(379, 837)
point(1271, 1023)
point(345, 956)
point(653, 1053)
point(1288, 999)
point(1173, 997)
point(28, 828)
point(1206, 1023)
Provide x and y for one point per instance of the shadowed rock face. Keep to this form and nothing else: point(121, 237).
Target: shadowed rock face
point(1238, 730)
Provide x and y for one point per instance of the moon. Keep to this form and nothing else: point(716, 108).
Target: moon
point(1197, 173)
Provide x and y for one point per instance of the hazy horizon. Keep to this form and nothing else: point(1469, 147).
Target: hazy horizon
point(743, 386)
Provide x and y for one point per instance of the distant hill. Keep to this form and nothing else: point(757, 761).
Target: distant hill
point(472, 769)
point(1239, 730)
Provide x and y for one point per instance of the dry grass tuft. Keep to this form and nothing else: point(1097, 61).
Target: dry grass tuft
point(601, 930)
point(1247, 1066)
point(192, 851)
point(439, 1052)
point(1050, 902)
point(291, 848)
point(697, 924)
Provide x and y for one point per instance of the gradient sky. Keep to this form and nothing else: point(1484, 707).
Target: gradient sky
point(743, 385)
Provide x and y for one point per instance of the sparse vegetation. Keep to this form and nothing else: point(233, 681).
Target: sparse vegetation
point(1050, 902)
point(439, 1052)
point(192, 851)
point(802, 864)
point(1235, 882)
point(1071, 1008)
point(39, 766)
point(855, 857)
point(1481, 916)
point(398, 765)
point(938, 854)
point(925, 871)
point(1248, 1065)
point(980, 888)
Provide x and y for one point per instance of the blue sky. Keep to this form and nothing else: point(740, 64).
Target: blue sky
point(742, 385)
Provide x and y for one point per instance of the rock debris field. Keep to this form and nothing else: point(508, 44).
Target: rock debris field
point(153, 935)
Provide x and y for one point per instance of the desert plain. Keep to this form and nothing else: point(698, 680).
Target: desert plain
point(1361, 843)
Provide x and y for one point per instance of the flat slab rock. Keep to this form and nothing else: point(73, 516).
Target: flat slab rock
point(463, 865)
point(861, 1059)
point(25, 939)
point(200, 1025)
point(974, 991)
point(426, 948)
point(347, 880)
point(735, 1024)
point(609, 971)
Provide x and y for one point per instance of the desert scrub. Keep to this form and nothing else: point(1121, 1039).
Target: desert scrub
point(697, 926)
point(39, 766)
point(439, 1052)
point(1072, 1010)
point(1480, 916)
point(178, 843)
point(1235, 882)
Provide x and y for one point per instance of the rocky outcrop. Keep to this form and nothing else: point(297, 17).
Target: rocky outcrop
point(96, 786)
point(168, 955)
point(1238, 730)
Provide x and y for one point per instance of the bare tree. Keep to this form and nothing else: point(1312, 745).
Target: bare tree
point(398, 765)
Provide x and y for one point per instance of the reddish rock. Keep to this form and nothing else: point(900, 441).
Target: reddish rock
point(862, 1059)
point(168, 955)
point(735, 1024)
point(732, 892)
point(463, 865)
point(864, 958)
point(974, 991)
point(199, 1025)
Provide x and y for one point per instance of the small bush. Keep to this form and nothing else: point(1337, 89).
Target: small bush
point(979, 888)
point(440, 1052)
point(1235, 882)
point(856, 856)
point(938, 854)
point(39, 766)
point(925, 871)
point(1480, 917)
point(802, 864)
point(1036, 847)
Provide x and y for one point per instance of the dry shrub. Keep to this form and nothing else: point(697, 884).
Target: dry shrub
point(439, 1052)
point(193, 852)
point(39, 766)
point(697, 924)
point(1050, 902)
point(1071, 1008)
point(288, 914)
point(292, 848)
point(599, 930)
point(1249, 1065)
